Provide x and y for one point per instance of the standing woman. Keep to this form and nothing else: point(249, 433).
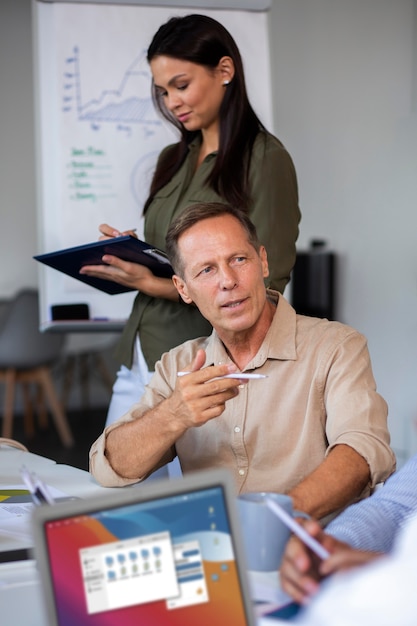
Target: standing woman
point(225, 154)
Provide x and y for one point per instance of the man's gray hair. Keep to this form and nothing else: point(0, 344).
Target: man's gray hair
point(196, 213)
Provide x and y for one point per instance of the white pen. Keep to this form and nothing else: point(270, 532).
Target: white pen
point(238, 375)
point(297, 529)
point(37, 488)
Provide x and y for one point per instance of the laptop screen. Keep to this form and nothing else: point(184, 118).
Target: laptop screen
point(165, 561)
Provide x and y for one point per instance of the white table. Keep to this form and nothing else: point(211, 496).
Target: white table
point(19, 579)
point(74, 481)
point(20, 594)
point(70, 480)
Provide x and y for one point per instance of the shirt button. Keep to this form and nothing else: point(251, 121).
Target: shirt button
point(237, 429)
point(242, 472)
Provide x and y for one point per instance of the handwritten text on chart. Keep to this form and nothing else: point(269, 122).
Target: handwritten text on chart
point(90, 175)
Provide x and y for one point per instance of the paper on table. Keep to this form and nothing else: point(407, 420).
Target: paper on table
point(16, 505)
point(16, 501)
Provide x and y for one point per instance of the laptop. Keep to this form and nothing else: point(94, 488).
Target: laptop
point(167, 553)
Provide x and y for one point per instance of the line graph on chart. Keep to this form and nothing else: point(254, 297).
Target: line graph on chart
point(128, 102)
point(111, 133)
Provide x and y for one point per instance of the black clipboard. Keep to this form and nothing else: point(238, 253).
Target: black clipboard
point(126, 247)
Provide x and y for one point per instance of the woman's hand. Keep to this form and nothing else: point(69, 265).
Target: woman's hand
point(108, 232)
point(129, 274)
point(132, 275)
point(123, 272)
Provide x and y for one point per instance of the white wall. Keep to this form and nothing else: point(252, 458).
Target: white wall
point(344, 91)
point(18, 227)
point(344, 80)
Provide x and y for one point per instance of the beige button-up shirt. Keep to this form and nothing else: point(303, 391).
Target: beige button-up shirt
point(319, 392)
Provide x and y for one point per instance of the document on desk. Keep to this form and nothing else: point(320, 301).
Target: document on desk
point(16, 505)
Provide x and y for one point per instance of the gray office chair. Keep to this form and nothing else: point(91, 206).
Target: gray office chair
point(26, 356)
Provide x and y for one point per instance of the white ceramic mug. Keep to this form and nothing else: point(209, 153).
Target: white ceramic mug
point(264, 534)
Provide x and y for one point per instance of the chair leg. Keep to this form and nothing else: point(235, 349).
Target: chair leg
point(58, 414)
point(10, 379)
point(28, 423)
point(68, 380)
point(41, 408)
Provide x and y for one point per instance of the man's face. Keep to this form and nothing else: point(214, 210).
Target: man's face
point(223, 274)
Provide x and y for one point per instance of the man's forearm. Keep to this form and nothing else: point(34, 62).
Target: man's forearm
point(336, 482)
point(136, 448)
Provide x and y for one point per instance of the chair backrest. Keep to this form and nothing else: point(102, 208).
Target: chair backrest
point(22, 345)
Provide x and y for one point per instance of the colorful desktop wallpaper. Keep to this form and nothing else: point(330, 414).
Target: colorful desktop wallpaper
point(177, 550)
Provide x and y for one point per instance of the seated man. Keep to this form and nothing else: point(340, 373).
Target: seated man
point(358, 535)
point(315, 428)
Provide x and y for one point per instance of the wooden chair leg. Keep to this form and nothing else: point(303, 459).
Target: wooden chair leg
point(10, 378)
point(28, 423)
point(41, 408)
point(58, 414)
point(68, 379)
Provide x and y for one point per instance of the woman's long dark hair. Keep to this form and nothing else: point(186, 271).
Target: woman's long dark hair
point(204, 41)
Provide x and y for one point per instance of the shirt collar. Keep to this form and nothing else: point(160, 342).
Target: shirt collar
point(279, 342)
point(194, 148)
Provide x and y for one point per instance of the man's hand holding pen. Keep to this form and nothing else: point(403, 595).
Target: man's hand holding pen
point(201, 395)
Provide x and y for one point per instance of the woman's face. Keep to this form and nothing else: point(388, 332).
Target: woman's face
point(191, 92)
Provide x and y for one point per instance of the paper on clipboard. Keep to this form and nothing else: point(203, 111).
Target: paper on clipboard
point(70, 260)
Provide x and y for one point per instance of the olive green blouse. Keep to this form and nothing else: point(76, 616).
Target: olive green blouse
point(163, 324)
